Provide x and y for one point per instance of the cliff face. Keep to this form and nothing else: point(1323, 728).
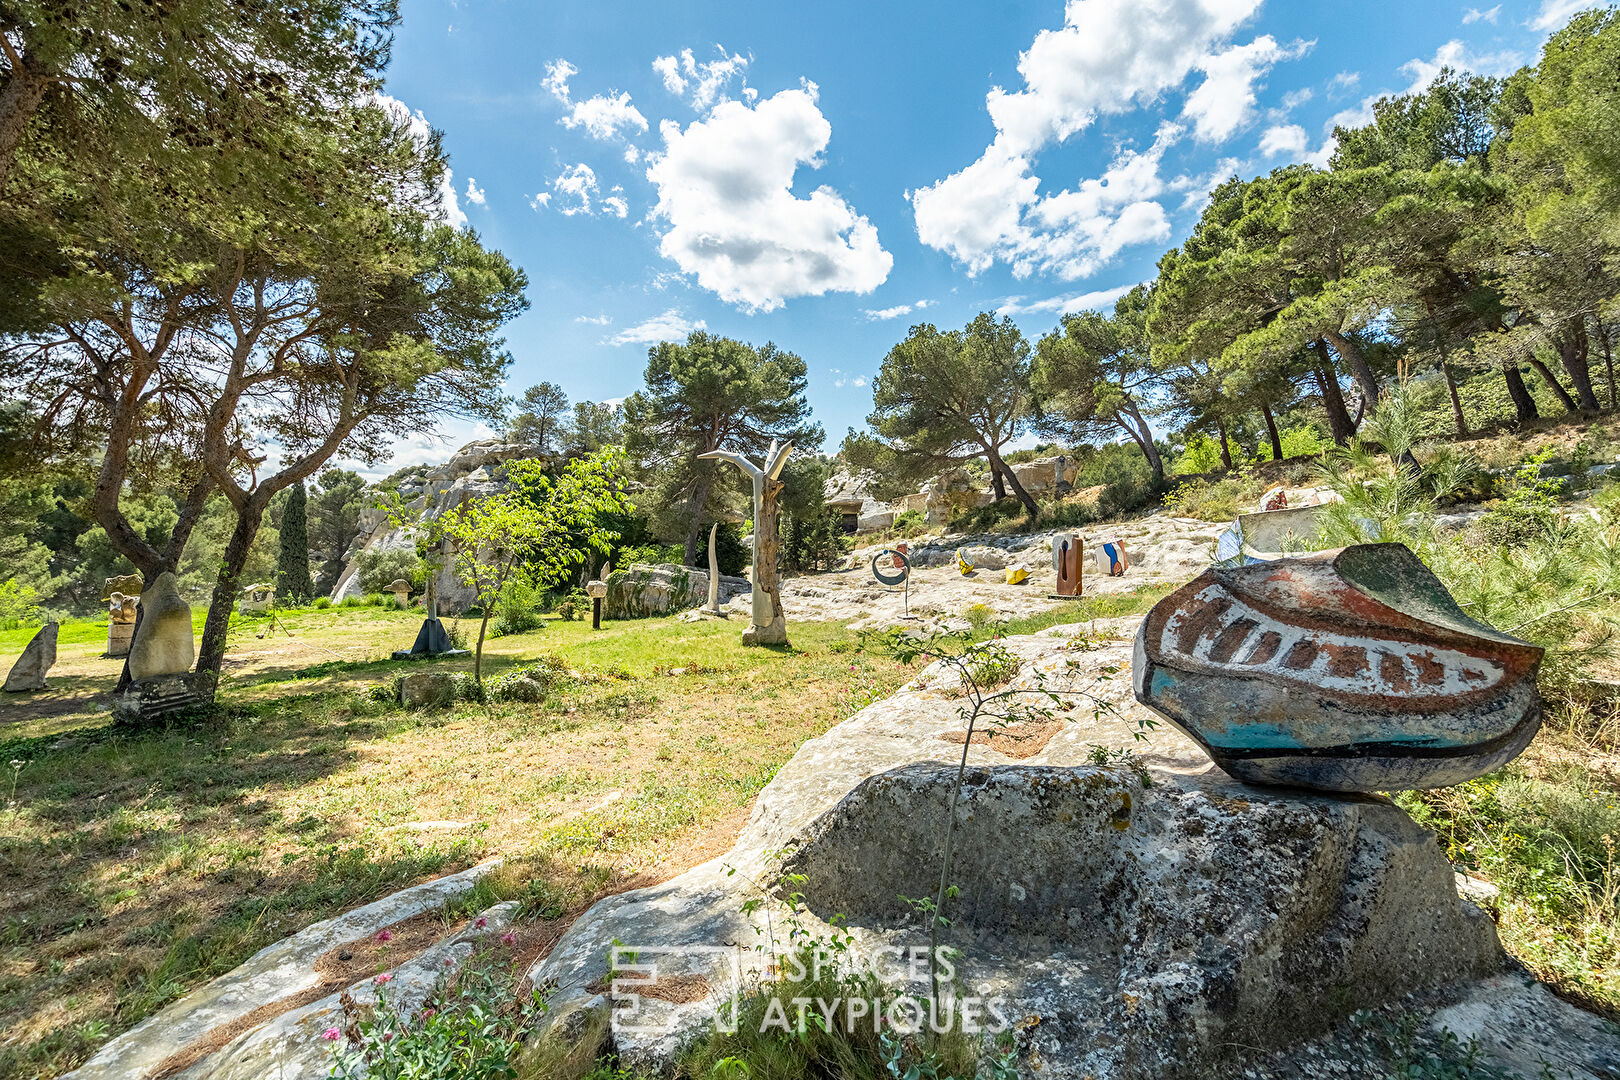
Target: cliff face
point(473, 472)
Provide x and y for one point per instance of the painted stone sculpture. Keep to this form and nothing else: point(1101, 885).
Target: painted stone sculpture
point(1348, 670)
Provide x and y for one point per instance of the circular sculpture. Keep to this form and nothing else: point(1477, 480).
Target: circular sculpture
point(901, 563)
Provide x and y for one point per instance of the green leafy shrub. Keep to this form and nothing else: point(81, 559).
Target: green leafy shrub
point(532, 681)
point(1203, 501)
point(517, 609)
point(909, 523)
point(1126, 495)
point(19, 605)
point(322, 603)
point(652, 554)
point(573, 606)
point(472, 1026)
point(379, 569)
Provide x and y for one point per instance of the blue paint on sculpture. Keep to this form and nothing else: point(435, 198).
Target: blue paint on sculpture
point(1348, 670)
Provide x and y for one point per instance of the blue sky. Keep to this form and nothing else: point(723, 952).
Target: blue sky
point(824, 175)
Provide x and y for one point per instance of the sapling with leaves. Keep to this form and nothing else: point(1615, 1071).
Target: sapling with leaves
point(538, 530)
point(987, 671)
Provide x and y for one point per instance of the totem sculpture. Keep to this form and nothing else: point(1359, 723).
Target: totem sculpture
point(769, 626)
point(714, 575)
point(1347, 670)
point(1068, 564)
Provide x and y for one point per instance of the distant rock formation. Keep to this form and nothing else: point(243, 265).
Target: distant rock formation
point(473, 472)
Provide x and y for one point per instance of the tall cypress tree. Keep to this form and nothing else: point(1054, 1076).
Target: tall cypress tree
point(293, 582)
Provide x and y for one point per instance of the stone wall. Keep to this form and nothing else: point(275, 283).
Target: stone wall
point(641, 590)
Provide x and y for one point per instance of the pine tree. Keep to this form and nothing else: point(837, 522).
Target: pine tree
point(293, 583)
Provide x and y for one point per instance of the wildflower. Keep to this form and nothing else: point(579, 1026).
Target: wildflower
point(449, 961)
point(385, 936)
point(509, 938)
point(481, 923)
point(331, 1034)
point(429, 1013)
point(385, 977)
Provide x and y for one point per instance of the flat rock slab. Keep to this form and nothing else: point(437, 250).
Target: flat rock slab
point(278, 971)
point(1127, 928)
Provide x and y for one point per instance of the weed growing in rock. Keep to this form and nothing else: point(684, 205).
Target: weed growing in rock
point(471, 1025)
point(984, 670)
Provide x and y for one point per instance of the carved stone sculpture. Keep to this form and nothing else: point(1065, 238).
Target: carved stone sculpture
point(769, 625)
point(28, 673)
point(164, 645)
point(120, 623)
point(1348, 670)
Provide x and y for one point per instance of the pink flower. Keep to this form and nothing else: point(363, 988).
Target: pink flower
point(385, 936)
point(385, 977)
point(429, 1013)
point(509, 938)
point(481, 923)
point(331, 1034)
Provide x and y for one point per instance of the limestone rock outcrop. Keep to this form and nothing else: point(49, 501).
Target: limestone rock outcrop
point(28, 673)
point(641, 590)
point(473, 472)
point(164, 644)
point(1129, 924)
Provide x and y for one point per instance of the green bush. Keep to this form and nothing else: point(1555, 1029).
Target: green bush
point(322, 603)
point(909, 523)
point(19, 605)
point(531, 682)
point(1128, 494)
point(378, 569)
point(517, 610)
point(572, 607)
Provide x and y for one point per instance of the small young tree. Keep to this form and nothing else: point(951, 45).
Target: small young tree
point(292, 560)
point(537, 530)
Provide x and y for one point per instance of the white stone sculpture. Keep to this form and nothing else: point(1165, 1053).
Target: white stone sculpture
point(769, 621)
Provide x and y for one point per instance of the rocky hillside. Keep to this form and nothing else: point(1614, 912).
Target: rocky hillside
point(472, 472)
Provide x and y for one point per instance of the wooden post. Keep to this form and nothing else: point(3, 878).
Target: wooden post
point(596, 613)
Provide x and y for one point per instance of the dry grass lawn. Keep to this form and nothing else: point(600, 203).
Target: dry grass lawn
point(137, 864)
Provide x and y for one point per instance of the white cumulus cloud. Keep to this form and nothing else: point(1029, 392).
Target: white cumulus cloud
point(1474, 15)
point(594, 320)
point(475, 194)
point(704, 83)
point(1224, 101)
point(575, 186)
point(672, 325)
point(1064, 305)
point(603, 116)
point(1455, 55)
point(1109, 57)
point(729, 215)
point(1555, 13)
point(879, 314)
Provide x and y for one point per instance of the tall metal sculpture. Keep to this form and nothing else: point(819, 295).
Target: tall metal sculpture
point(769, 625)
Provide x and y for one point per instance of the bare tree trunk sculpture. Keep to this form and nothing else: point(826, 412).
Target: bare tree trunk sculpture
point(769, 626)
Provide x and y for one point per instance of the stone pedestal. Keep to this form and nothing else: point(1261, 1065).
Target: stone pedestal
point(119, 635)
point(147, 700)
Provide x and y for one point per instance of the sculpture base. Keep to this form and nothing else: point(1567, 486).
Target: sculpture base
point(773, 633)
point(150, 699)
point(119, 635)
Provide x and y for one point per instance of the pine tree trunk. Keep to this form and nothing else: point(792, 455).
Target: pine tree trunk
point(1351, 355)
point(1226, 447)
point(1457, 417)
point(1271, 429)
point(1524, 406)
point(1608, 362)
point(211, 651)
point(1018, 489)
point(697, 506)
point(1572, 350)
point(1142, 434)
point(1332, 397)
point(1554, 385)
point(997, 485)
